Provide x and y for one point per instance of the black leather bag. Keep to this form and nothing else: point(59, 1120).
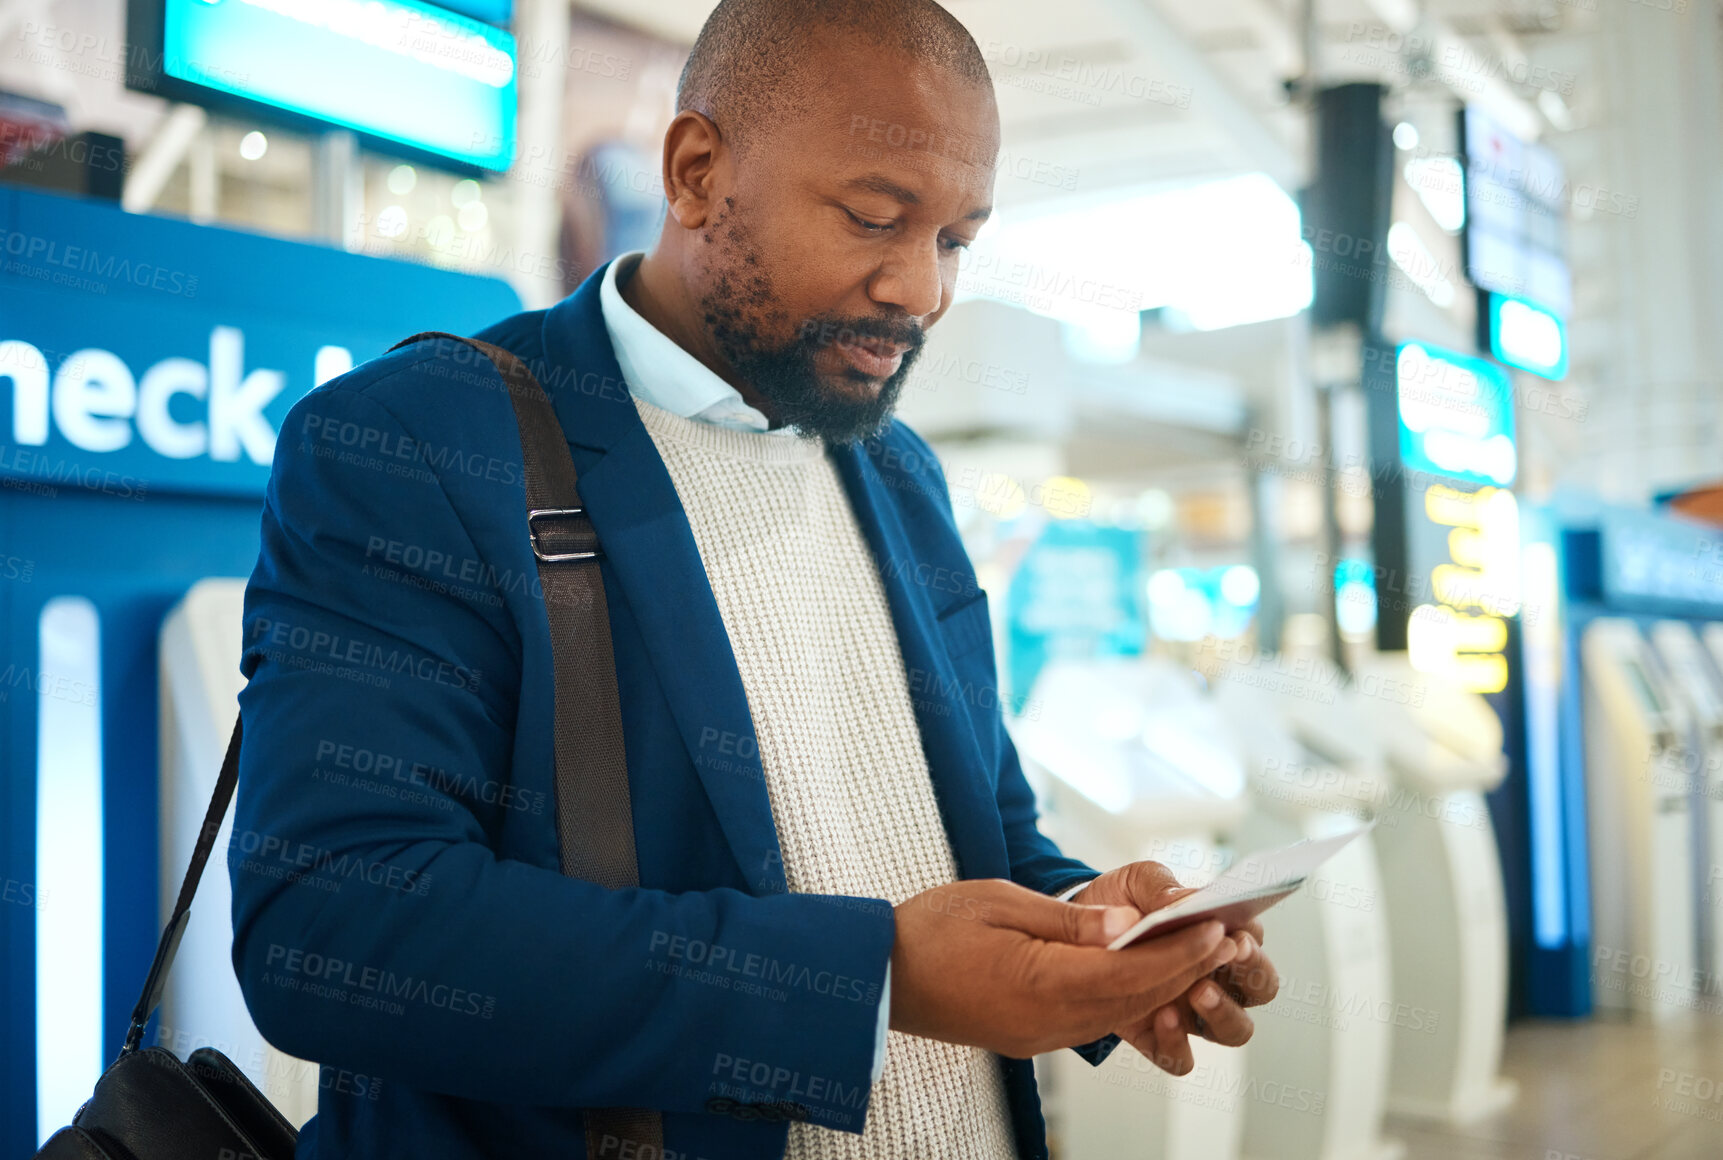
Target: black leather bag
point(148, 1105)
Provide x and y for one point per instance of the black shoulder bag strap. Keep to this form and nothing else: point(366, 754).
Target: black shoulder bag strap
point(594, 818)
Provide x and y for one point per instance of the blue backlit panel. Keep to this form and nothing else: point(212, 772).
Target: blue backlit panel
point(399, 71)
point(1525, 335)
point(1456, 415)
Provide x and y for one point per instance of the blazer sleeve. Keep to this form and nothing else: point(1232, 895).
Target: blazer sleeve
point(376, 928)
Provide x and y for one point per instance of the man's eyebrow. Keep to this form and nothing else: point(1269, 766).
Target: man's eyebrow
point(877, 183)
point(885, 186)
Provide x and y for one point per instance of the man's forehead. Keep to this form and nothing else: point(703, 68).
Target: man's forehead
point(902, 104)
point(878, 148)
point(876, 131)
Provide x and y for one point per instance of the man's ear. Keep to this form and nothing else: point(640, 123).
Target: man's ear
point(694, 152)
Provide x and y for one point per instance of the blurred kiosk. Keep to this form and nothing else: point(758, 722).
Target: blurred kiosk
point(1319, 1060)
point(142, 398)
point(200, 684)
point(1131, 757)
point(1447, 916)
point(1693, 679)
point(1642, 895)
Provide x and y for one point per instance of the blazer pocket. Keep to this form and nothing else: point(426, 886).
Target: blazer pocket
point(966, 627)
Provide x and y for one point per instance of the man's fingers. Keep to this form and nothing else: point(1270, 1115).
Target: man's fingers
point(1158, 970)
point(1160, 1038)
point(1128, 982)
point(1172, 1045)
point(1250, 977)
point(1047, 918)
point(1152, 885)
point(1223, 1020)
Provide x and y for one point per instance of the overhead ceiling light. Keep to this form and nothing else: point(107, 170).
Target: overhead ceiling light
point(253, 145)
point(1406, 136)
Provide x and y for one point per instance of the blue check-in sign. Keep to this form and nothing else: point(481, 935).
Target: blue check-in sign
point(142, 354)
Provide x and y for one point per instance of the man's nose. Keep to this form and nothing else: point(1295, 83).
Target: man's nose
point(910, 278)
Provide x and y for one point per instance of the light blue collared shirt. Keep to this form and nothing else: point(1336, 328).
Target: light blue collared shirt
point(664, 374)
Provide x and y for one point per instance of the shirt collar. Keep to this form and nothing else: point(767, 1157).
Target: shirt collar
point(661, 372)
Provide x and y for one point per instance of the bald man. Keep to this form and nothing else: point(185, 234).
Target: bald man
point(848, 937)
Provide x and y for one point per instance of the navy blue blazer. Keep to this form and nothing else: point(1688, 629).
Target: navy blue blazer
point(398, 912)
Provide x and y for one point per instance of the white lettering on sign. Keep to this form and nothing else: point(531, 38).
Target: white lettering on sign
point(96, 404)
point(236, 404)
point(94, 395)
point(28, 370)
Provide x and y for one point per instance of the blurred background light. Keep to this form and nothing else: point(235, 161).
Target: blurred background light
point(1220, 253)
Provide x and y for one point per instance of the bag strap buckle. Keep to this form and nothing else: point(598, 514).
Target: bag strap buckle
point(532, 531)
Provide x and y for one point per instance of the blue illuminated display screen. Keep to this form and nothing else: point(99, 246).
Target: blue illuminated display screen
point(1456, 415)
point(1525, 335)
point(490, 11)
point(397, 70)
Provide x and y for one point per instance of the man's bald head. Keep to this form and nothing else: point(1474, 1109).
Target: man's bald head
point(754, 63)
point(828, 164)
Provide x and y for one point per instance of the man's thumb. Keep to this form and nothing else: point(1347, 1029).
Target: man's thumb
point(1069, 922)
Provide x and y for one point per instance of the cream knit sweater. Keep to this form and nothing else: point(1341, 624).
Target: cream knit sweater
point(854, 807)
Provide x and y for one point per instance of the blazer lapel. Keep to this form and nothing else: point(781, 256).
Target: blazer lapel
point(966, 799)
point(650, 548)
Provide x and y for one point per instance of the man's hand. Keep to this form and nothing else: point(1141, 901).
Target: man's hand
point(992, 964)
point(1214, 1007)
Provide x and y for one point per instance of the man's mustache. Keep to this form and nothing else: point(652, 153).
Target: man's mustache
point(825, 331)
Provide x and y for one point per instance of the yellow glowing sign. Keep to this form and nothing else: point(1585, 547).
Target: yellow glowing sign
point(1465, 634)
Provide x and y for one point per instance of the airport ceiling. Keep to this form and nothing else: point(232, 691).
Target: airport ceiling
point(1134, 93)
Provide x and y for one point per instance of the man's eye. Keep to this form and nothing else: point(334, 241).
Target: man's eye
point(954, 244)
point(867, 225)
